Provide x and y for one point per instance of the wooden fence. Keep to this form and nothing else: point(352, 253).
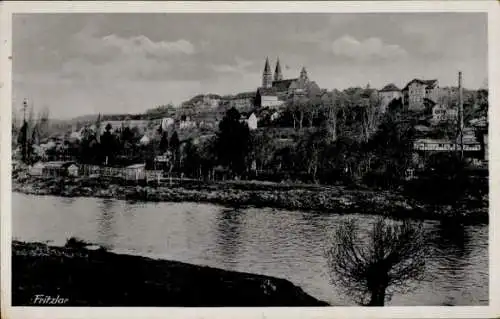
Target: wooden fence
point(119, 172)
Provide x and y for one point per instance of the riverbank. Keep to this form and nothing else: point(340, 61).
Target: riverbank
point(77, 276)
point(332, 199)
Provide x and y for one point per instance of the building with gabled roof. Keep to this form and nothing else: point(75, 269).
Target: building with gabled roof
point(387, 94)
point(417, 92)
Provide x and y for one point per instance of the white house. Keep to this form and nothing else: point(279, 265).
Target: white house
point(144, 140)
point(268, 97)
point(270, 101)
point(251, 121)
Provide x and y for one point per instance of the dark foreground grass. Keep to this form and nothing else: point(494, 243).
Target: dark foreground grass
point(100, 278)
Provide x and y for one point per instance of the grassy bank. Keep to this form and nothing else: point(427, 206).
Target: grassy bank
point(99, 278)
point(333, 199)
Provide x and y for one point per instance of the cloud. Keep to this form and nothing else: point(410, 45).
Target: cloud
point(143, 45)
point(93, 58)
point(137, 68)
point(452, 40)
point(371, 48)
point(87, 43)
point(241, 66)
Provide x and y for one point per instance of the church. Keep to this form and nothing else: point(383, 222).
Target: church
point(275, 90)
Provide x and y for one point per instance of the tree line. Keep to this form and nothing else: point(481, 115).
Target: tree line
point(325, 137)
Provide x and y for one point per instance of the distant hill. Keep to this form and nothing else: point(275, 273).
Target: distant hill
point(106, 117)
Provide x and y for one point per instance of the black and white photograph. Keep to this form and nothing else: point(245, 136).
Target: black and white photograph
point(249, 159)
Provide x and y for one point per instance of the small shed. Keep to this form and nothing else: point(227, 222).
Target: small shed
point(91, 170)
point(37, 169)
point(221, 173)
point(73, 170)
point(58, 168)
point(53, 169)
point(135, 172)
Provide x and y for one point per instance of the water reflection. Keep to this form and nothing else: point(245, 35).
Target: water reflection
point(280, 243)
point(450, 253)
point(454, 236)
point(105, 224)
point(228, 235)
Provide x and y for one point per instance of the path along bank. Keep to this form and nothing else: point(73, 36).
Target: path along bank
point(335, 199)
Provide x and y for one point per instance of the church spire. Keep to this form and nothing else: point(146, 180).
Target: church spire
point(267, 68)
point(278, 76)
point(267, 76)
point(303, 74)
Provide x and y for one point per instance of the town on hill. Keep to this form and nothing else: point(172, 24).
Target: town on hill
point(289, 144)
point(281, 116)
point(246, 159)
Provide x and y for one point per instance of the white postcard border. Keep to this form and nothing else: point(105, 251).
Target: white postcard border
point(8, 8)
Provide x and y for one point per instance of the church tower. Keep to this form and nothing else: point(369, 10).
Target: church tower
point(278, 76)
point(303, 75)
point(267, 76)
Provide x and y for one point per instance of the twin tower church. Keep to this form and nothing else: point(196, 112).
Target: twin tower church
point(275, 89)
point(269, 80)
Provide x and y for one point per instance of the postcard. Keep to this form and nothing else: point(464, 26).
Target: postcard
point(260, 160)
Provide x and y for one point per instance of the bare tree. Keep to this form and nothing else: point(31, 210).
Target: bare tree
point(31, 119)
point(42, 123)
point(370, 116)
point(371, 272)
point(332, 105)
point(302, 108)
point(292, 108)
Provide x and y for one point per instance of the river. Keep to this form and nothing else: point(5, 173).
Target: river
point(275, 242)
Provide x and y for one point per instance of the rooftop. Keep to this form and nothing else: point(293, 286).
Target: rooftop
point(433, 141)
point(283, 85)
point(422, 128)
point(244, 95)
point(136, 166)
point(57, 164)
point(428, 83)
point(390, 88)
point(267, 91)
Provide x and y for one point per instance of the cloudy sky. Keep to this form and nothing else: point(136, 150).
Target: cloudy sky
point(78, 63)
